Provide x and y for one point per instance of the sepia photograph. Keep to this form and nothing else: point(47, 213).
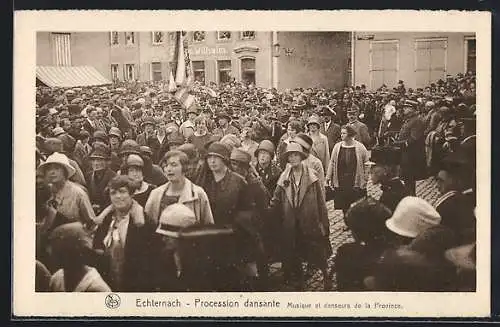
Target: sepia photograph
point(173, 161)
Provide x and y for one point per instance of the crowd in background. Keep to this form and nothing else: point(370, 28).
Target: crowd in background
point(136, 193)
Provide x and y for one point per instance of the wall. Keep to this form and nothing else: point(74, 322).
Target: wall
point(43, 49)
point(319, 59)
point(91, 49)
point(149, 52)
point(454, 57)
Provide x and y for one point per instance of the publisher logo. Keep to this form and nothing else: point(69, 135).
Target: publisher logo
point(112, 301)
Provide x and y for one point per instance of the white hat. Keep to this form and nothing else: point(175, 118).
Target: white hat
point(58, 131)
point(412, 216)
point(173, 218)
point(61, 159)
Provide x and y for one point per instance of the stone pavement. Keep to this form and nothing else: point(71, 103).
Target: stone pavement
point(426, 189)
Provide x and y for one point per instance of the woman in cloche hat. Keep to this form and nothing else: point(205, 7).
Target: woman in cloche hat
point(67, 198)
point(299, 202)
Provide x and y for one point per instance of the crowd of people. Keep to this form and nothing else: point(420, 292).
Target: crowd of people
point(136, 194)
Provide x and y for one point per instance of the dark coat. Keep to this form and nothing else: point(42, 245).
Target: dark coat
point(159, 149)
point(116, 162)
point(310, 216)
point(150, 141)
point(137, 246)
point(412, 139)
point(276, 133)
point(227, 198)
point(354, 262)
point(96, 188)
point(86, 126)
point(269, 176)
point(457, 213)
point(332, 133)
point(392, 192)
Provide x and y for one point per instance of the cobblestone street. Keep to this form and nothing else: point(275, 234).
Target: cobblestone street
point(426, 189)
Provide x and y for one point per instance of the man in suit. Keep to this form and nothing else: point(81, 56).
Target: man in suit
point(329, 127)
point(90, 124)
point(457, 213)
point(148, 136)
point(98, 178)
point(362, 133)
point(411, 138)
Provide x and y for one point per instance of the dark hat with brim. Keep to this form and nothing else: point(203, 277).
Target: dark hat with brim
point(223, 115)
point(148, 121)
point(386, 155)
point(219, 149)
point(99, 153)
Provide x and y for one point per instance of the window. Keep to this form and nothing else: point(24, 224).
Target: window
point(130, 72)
point(198, 36)
point(430, 61)
point(61, 49)
point(224, 68)
point(223, 36)
point(248, 35)
point(156, 71)
point(384, 63)
point(114, 38)
point(199, 71)
point(129, 38)
point(158, 37)
point(248, 70)
point(172, 36)
point(470, 54)
point(114, 72)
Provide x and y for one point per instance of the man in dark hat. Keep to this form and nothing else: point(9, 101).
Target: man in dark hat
point(455, 209)
point(98, 178)
point(385, 163)
point(362, 133)
point(91, 123)
point(329, 127)
point(148, 135)
point(411, 139)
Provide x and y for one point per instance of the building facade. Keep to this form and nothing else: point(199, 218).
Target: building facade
point(267, 59)
point(418, 59)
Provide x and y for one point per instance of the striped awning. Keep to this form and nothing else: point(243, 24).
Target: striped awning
point(70, 76)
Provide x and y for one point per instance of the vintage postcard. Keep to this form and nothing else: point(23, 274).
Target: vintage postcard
point(251, 164)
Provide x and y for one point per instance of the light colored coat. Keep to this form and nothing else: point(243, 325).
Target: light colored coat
point(192, 196)
point(320, 149)
point(311, 213)
point(361, 158)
